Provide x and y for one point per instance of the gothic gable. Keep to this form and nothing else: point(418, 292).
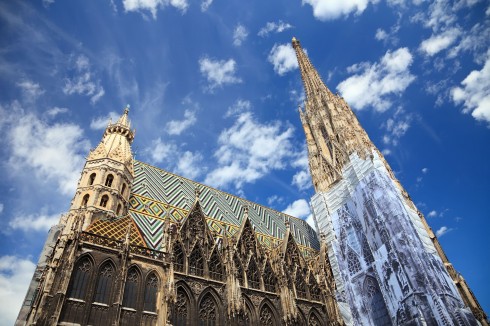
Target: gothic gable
point(195, 230)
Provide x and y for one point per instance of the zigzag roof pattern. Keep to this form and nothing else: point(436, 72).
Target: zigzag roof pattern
point(158, 194)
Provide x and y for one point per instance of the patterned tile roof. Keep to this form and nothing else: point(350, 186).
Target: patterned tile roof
point(157, 194)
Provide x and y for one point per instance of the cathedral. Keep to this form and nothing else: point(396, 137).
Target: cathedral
point(142, 246)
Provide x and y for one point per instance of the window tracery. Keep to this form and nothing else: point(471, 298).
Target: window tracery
point(104, 283)
point(239, 268)
point(131, 288)
point(379, 312)
point(178, 258)
point(300, 284)
point(181, 313)
point(353, 263)
point(269, 278)
point(215, 267)
point(196, 262)
point(266, 316)
point(208, 312)
point(314, 321)
point(81, 279)
point(315, 291)
point(366, 252)
point(151, 290)
point(253, 276)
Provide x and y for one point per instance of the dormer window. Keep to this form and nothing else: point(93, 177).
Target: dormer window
point(104, 200)
point(91, 179)
point(108, 180)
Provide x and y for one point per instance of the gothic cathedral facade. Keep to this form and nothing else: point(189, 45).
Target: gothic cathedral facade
point(142, 246)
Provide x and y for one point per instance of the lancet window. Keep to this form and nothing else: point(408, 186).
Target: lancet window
point(353, 263)
point(315, 291)
point(151, 290)
point(123, 189)
point(253, 276)
point(81, 277)
point(266, 317)
point(269, 279)
point(366, 252)
point(91, 179)
point(109, 180)
point(85, 200)
point(215, 267)
point(196, 262)
point(208, 312)
point(131, 288)
point(314, 321)
point(118, 211)
point(239, 269)
point(181, 313)
point(104, 283)
point(300, 284)
point(379, 312)
point(104, 200)
point(178, 258)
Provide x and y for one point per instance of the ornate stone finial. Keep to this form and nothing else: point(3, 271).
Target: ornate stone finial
point(197, 192)
point(245, 210)
point(288, 225)
point(323, 237)
point(295, 42)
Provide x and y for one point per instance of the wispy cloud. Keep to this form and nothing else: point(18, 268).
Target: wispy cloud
point(218, 72)
point(153, 5)
point(176, 127)
point(83, 81)
point(30, 90)
point(437, 43)
point(283, 58)
point(101, 122)
point(442, 231)
point(34, 222)
point(274, 27)
point(240, 33)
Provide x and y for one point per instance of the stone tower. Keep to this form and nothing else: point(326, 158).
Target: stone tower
point(388, 265)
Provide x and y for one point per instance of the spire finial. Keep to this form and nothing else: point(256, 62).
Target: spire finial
point(197, 191)
point(126, 109)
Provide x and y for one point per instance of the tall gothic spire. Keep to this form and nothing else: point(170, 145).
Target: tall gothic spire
point(332, 130)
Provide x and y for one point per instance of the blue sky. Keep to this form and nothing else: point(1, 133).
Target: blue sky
point(214, 89)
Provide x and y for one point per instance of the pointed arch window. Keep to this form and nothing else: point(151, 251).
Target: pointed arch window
point(178, 258)
point(196, 262)
point(131, 288)
point(208, 312)
point(353, 263)
point(123, 189)
point(366, 252)
point(315, 292)
point(239, 269)
point(104, 200)
point(91, 179)
point(379, 312)
point(80, 279)
point(269, 278)
point(105, 280)
point(109, 180)
point(300, 284)
point(266, 317)
point(151, 290)
point(181, 313)
point(215, 267)
point(314, 321)
point(118, 211)
point(253, 276)
point(85, 200)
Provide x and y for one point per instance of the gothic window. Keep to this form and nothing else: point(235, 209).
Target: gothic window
point(118, 211)
point(80, 280)
point(315, 291)
point(269, 279)
point(266, 317)
point(300, 284)
point(366, 252)
point(91, 179)
point(181, 313)
point(239, 269)
point(353, 262)
point(104, 200)
point(208, 312)
point(314, 321)
point(379, 312)
point(196, 262)
point(151, 290)
point(244, 318)
point(108, 180)
point(178, 258)
point(215, 267)
point(131, 288)
point(85, 200)
point(104, 283)
point(253, 276)
point(123, 189)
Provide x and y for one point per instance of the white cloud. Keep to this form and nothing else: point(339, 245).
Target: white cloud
point(274, 199)
point(30, 90)
point(386, 152)
point(153, 5)
point(271, 27)
point(239, 35)
point(283, 58)
point(396, 126)
point(160, 151)
point(249, 150)
point(432, 213)
point(83, 82)
point(299, 208)
point(53, 112)
point(425, 170)
point(15, 276)
point(41, 222)
point(442, 231)
point(374, 84)
point(176, 127)
point(52, 151)
point(328, 9)
point(437, 43)
point(189, 164)
point(381, 35)
point(311, 222)
point(302, 180)
point(238, 107)
point(205, 4)
point(101, 122)
point(474, 93)
point(218, 72)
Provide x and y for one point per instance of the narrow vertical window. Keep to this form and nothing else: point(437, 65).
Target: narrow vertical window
point(123, 189)
point(108, 180)
point(253, 276)
point(104, 200)
point(196, 263)
point(178, 258)
point(266, 317)
point(300, 284)
point(85, 200)
point(131, 288)
point(208, 312)
point(269, 278)
point(181, 311)
point(80, 280)
point(104, 284)
point(151, 290)
point(118, 211)
point(91, 179)
point(215, 267)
